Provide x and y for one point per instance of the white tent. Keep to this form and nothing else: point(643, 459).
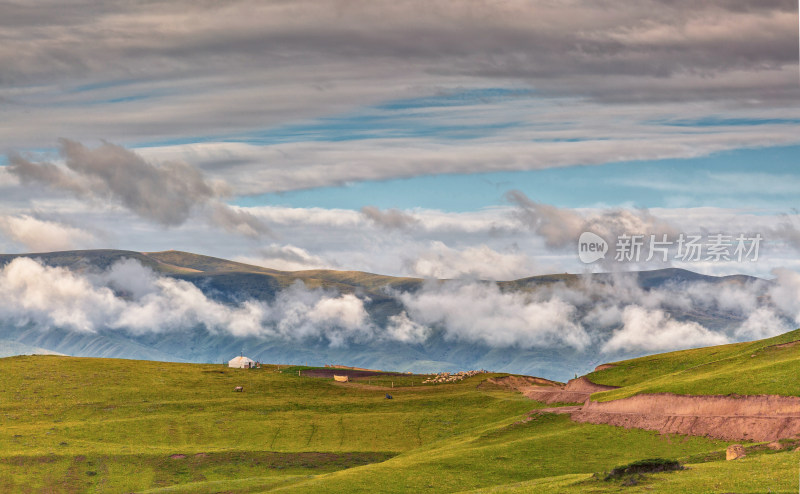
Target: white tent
point(241, 363)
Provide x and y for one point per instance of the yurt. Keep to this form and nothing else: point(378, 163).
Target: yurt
point(241, 363)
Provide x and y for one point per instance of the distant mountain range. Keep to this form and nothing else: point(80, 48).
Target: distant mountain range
point(230, 283)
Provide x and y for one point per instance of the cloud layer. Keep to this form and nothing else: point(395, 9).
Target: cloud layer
point(39, 235)
point(481, 262)
point(257, 91)
point(129, 297)
point(612, 315)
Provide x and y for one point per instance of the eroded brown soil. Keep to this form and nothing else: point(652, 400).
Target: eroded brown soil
point(604, 367)
point(754, 418)
point(576, 391)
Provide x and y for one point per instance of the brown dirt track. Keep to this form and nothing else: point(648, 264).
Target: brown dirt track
point(576, 391)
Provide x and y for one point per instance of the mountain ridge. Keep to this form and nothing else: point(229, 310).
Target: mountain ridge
point(384, 299)
point(182, 260)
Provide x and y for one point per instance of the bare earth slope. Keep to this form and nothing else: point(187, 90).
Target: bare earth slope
point(576, 391)
point(754, 417)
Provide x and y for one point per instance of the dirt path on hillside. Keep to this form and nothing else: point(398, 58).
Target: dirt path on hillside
point(753, 418)
point(575, 391)
point(521, 383)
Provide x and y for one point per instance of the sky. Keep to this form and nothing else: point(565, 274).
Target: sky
point(474, 139)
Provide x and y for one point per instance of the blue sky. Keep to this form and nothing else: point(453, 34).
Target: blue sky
point(638, 184)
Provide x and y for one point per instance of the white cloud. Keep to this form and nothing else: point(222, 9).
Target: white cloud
point(262, 63)
point(392, 219)
point(614, 315)
point(761, 323)
point(785, 293)
point(281, 167)
point(561, 227)
point(44, 236)
point(403, 329)
point(286, 258)
point(655, 331)
point(166, 192)
point(481, 313)
point(440, 261)
point(33, 294)
point(129, 297)
point(343, 319)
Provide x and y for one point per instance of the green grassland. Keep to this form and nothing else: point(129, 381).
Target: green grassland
point(768, 473)
point(105, 425)
point(546, 446)
point(769, 366)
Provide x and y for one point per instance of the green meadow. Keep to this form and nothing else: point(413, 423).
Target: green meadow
point(106, 425)
point(769, 366)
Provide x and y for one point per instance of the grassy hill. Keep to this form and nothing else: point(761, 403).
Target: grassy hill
point(105, 425)
point(768, 366)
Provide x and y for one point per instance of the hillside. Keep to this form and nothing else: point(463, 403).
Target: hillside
point(167, 427)
point(760, 367)
point(150, 425)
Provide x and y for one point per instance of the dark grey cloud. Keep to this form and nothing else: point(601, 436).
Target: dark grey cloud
point(392, 219)
point(561, 227)
point(162, 71)
point(237, 220)
point(165, 192)
point(545, 43)
point(45, 173)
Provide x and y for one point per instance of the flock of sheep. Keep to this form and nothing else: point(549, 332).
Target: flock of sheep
point(446, 377)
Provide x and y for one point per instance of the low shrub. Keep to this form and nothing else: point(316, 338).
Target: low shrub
point(650, 465)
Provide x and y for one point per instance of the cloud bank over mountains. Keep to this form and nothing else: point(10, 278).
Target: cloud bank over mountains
point(614, 315)
point(130, 297)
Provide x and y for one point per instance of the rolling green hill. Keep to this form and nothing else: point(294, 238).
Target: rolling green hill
point(767, 366)
point(104, 425)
